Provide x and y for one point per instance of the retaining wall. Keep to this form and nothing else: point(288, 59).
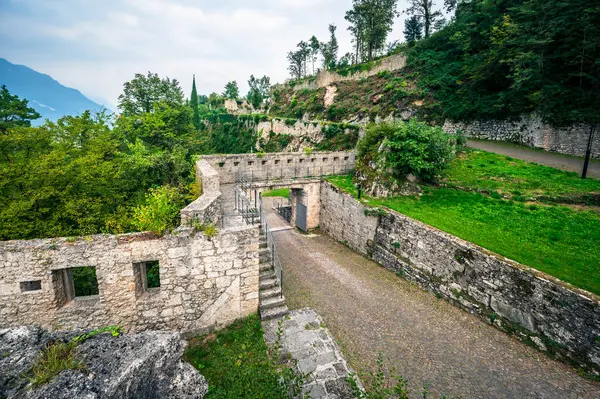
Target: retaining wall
point(536, 308)
point(204, 283)
point(207, 208)
point(531, 131)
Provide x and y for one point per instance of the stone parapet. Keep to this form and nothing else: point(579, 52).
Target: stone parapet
point(536, 308)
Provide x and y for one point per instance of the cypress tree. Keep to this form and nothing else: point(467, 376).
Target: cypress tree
point(194, 104)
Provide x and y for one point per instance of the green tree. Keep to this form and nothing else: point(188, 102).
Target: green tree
point(296, 60)
point(413, 29)
point(141, 94)
point(231, 90)
point(194, 104)
point(371, 22)
point(14, 111)
point(259, 90)
point(423, 9)
point(329, 50)
point(314, 51)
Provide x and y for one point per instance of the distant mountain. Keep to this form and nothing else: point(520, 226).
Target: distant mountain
point(48, 97)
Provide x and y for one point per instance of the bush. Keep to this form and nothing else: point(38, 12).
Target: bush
point(407, 148)
point(161, 211)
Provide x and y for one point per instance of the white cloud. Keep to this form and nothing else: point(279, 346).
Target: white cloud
point(97, 46)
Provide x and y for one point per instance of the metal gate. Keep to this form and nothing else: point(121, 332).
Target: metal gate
point(301, 216)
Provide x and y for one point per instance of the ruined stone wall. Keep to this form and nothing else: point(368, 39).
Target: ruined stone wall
point(536, 308)
point(531, 131)
point(204, 283)
point(326, 77)
point(207, 208)
point(274, 166)
point(304, 134)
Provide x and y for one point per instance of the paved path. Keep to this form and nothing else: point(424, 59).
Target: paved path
point(369, 310)
point(552, 159)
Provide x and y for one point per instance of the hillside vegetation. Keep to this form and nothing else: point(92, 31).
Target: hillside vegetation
point(494, 60)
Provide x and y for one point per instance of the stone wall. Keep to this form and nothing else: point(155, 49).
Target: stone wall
point(204, 283)
point(303, 133)
point(207, 208)
point(344, 219)
point(326, 77)
point(280, 166)
point(536, 308)
point(531, 131)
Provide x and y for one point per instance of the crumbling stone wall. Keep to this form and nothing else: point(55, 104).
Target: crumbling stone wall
point(207, 208)
point(531, 131)
point(204, 283)
point(327, 77)
point(279, 166)
point(536, 308)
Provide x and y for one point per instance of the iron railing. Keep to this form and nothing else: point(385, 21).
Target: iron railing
point(275, 262)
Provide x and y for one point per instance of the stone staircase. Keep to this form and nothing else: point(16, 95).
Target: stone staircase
point(272, 302)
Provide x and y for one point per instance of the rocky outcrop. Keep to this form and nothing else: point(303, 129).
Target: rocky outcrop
point(146, 365)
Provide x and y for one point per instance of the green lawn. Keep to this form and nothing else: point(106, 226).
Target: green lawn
point(280, 192)
point(560, 241)
point(236, 363)
point(486, 171)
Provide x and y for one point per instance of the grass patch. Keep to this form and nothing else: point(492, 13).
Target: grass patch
point(280, 192)
point(480, 170)
point(554, 239)
point(55, 358)
point(236, 363)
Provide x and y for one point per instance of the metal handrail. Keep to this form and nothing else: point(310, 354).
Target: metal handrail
point(275, 262)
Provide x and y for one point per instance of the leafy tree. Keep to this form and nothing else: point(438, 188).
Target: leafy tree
point(194, 104)
point(160, 213)
point(215, 101)
point(329, 50)
point(371, 21)
point(296, 60)
point(304, 50)
point(14, 111)
point(423, 9)
point(231, 90)
point(413, 29)
point(141, 94)
point(259, 90)
point(508, 58)
point(315, 46)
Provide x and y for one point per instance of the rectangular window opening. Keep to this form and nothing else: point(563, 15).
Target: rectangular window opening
point(236, 163)
point(147, 276)
point(289, 161)
point(346, 158)
point(277, 162)
point(324, 159)
point(27, 286)
point(336, 158)
point(264, 162)
point(84, 281)
point(250, 163)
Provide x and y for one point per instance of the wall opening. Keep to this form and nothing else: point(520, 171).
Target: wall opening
point(84, 281)
point(147, 276)
point(27, 286)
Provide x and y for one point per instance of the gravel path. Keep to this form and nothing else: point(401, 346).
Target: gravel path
point(369, 310)
point(552, 159)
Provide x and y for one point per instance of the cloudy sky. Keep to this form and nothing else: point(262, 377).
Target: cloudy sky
point(96, 46)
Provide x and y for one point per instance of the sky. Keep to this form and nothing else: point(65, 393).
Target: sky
point(96, 46)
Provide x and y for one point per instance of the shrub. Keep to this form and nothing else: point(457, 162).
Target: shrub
point(161, 211)
point(407, 148)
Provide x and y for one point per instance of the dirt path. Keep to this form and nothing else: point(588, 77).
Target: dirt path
point(552, 159)
point(369, 310)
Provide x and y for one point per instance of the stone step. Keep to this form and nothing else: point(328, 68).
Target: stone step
point(268, 283)
point(264, 258)
point(266, 275)
point(265, 266)
point(273, 302)
point(269, 293)
point(274, 313)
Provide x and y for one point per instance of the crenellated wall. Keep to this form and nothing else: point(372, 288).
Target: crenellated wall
point(534, 307)
point(274, 166)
